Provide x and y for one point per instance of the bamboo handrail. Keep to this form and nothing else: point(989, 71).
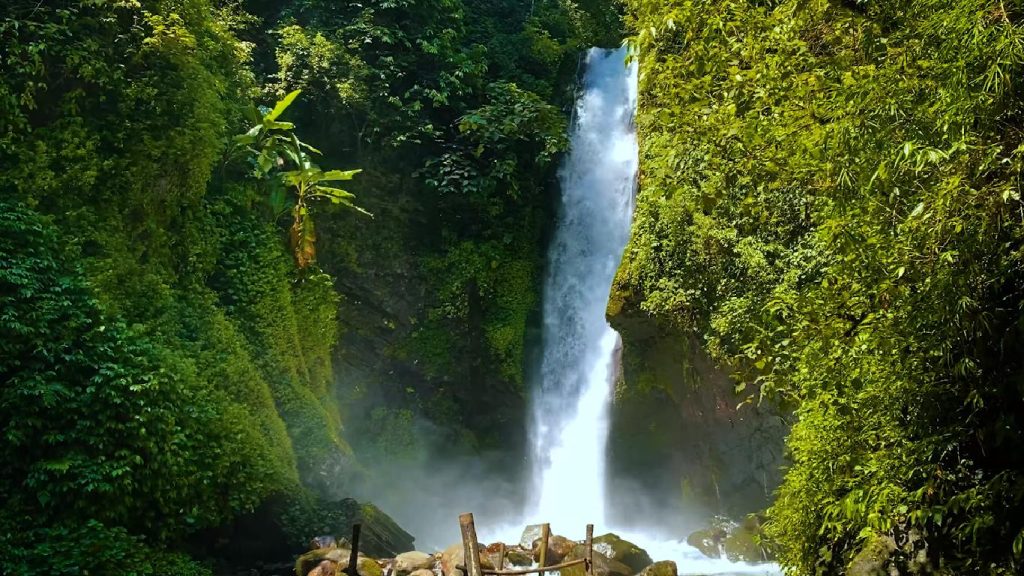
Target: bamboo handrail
point(526, 570)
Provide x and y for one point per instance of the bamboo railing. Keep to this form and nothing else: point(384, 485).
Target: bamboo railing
point(471, 550)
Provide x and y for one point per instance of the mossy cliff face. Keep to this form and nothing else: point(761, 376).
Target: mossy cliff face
point(677, 431)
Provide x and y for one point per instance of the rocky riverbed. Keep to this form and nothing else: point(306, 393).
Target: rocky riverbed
point(613, 556)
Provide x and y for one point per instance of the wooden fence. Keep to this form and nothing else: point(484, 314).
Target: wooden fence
point(471, 549)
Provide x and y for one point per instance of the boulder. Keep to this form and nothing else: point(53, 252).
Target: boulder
point(708, 541)
point(325, 568)
point(742, 546)
point(454, 556)
point(662, 568)
point(422, 572)
point(518, 557)
point(311, 560)
point(530, 533)
point(558, 548)
point(623, 551)
point(409, 562)
point(873, 557)
point(381, 536)
point(603, 565)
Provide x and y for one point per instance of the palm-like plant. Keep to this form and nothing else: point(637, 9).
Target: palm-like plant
point(274, 145)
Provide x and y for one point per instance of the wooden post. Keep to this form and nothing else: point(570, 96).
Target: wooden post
point(545, 533)
point(589, 564)
point(353, 557)
point(501, 557)
point(470, 548)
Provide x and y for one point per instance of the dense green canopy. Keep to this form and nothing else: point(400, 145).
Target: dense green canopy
point(830, 199)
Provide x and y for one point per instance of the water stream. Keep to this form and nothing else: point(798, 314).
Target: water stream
point(570, 407)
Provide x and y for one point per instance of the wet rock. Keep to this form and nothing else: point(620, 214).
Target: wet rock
point(319, 542)
point(454, 556)
point(623, 551)
point(312, 559)
point(325, 568)
point(558, 548)
point(872, 558)
point(743, 542)
point(603, 566)
point(530, 533)
point(423, 572)
point(409, 562)
point(662, 568)
point(708, 541)
point(381, 536)
point(518, 557)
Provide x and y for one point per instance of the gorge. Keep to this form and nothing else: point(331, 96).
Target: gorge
point(270, 268)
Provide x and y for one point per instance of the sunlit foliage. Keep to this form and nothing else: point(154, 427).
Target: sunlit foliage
point(830, 199)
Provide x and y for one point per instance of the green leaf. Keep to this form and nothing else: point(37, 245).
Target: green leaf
point(339, 174)
point(281, 106)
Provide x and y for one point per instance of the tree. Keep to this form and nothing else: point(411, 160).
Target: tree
point(274, 145)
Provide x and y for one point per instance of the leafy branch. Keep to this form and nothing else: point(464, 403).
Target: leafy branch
point(274, 146)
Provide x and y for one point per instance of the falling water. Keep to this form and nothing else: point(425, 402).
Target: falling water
point(570, 407)
point(569, 428)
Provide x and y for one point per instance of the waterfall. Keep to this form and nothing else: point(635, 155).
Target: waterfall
point(571, 401)
point(569, 429)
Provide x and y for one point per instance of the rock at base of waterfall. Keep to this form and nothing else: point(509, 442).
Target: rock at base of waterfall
point(423, 572)
point(530, 533)
point(623, 551)
point(409, 562)
point(558, 548)
point(708, 541)
point(455, 556)
point(726, 538)
point(662, 568)
point(518, 557)
point(603, 565)
point(338, 558)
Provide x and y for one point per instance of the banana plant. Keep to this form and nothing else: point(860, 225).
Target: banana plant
point(274, 146)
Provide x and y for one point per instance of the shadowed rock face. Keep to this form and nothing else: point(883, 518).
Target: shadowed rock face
point(677, 434)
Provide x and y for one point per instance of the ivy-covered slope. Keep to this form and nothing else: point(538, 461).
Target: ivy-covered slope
point(830, 203)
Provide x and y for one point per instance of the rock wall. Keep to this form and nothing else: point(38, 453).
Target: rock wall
point(679, 439)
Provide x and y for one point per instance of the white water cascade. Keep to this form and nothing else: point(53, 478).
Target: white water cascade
point(569, 428)
point(570, 407)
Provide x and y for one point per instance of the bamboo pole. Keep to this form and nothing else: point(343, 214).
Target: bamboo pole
point(545, 533)
point(470, 548)
point(501, 557)
point(353, 557)
point(589, 564)
point(488, 572)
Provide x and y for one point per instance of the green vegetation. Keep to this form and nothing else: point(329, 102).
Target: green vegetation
point(830, 201)
point(168, 362)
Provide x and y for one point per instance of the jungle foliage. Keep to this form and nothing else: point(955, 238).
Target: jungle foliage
point(167, 361)
point(830, 200)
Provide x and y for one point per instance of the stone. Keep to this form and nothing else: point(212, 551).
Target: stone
point(662, 568)
point(518, 557)
point(454, 556)
point(530, 533)
point(708, 541)
point(312, 559)
point(603, 566)
point(325, 568)
point(558, 548)
point(409, 562)
point(872, 558)
point(742, 546)
point(616, 548)
point(422, 572)
point(323, 542)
